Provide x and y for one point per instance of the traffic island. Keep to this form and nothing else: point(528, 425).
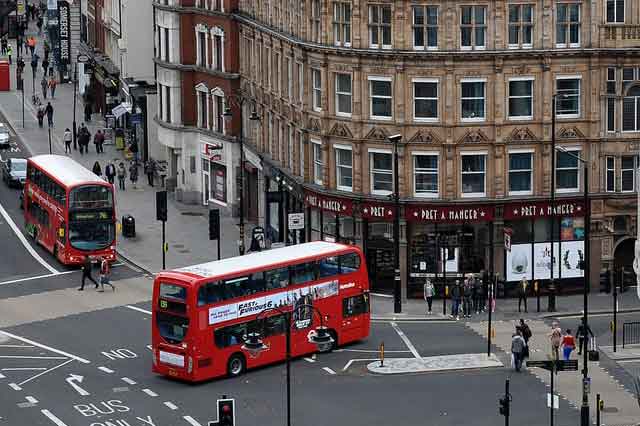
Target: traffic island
point(434, 363)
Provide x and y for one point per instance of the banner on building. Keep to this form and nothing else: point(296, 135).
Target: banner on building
point(64, 29)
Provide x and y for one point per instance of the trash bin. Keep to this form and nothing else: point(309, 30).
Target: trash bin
point(5, 77)
point(128, 226)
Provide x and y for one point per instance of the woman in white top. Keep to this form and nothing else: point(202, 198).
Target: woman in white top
point(429, 291)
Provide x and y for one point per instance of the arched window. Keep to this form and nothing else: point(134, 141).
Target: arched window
point(202, 45)
point(202, 95)
point(631, 110)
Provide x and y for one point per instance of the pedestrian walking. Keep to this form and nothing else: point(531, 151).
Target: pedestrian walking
point(45, 87)
point(86, 272)
point(150, 170)
point(68, 137)
point(555, 338)
point(97, 170)
point(19, 45)
point(526, 331)
point(122, 175)
point(20, 64)
point(40, 115)
point(133, 174)
point(105, 274)
point(49, 111)
point(84, 137)
point(582, 333)
point(9, 53)
point(568, 344)
point(429, 292)
point(31, 42)
point(467, 292)
point(477, 295)
point(39, 25)
point(518, 346)
point(45, 64)
point(87, 112)
point(110, 172)
point(53, 83)
point(522, 293)
point(98, 141)
point(456, 297)
point(3, 44)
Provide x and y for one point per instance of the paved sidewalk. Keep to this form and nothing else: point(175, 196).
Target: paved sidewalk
point(434, 363)
point(187, 226)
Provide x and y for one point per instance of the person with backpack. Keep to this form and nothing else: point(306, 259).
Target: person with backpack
point(49, 111)
point(526, 331)
point(97, 170)
point(568, 344)
point(133, 174)
point(429, 291)
point(582, 334)
point(517, 349)
point(555, 338)
point(522, 294)
point(45, 87)
point(456, 297)
point(105, 275)
point(40, 115)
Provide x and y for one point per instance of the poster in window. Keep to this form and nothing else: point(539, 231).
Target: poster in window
point(572, 229)
point(542, 260)
point(519, 263)
point(571, 253)
point(451, 259)
point(219, 187)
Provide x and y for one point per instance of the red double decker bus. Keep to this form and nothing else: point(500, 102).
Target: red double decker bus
point(69, 210)
point(201, 313)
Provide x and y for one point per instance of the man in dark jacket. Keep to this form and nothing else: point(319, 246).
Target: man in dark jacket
point(86, 272)
point(582, 333)
point(456, 296)
point(49, 111)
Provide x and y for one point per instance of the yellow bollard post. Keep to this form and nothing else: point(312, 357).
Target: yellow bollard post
point(381, 354)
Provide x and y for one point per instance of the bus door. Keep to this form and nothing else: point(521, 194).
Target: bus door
point(354, 319)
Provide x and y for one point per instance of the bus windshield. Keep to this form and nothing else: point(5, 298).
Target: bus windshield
point(90, 197)
point(91, 230)
point(172, 328)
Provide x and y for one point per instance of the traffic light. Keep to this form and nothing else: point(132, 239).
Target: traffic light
point(161, 206)
point(605, 281)
point(214, 224)
point(226, 412)
point(504, 406)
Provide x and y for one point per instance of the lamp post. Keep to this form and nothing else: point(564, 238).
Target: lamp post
point(321, 337)
point(79, 59)
point(397, 301)
point(584, 410)
point(239, 100)
point(551, 306)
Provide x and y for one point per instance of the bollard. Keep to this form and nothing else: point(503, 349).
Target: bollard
point(381, 354)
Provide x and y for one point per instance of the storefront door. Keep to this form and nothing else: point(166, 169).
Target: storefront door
point(380, 265)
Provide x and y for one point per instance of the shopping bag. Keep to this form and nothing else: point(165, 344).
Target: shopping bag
point(593, 354)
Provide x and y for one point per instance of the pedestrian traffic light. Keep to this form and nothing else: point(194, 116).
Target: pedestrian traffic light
point(226, 412)
point(161, 206)
point(504, 406)
point(214, 224)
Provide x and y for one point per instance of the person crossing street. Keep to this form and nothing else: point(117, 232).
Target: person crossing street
point(86, 272)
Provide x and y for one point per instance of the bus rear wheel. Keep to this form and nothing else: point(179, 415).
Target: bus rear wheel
point(236, 365)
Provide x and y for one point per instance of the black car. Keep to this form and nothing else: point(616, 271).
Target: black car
point(14, 172)
point(5, 138)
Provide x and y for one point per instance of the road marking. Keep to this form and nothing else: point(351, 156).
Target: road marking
point(388, 296)
point(409, 321)
point(351, 361)
point(56, 421)
point(328, 370)
point(149, 392)
point(121, 389)
point(36, 277)
point(15, 387)
point(129, 381)
point(171, 405)
point(135, 308)
point(72, 379)
point(191, 421)
point(31, 400)
point(45, 372)
point(406, 340)
point(41, 346)
point(105, 369)
point(16, 346)
point(24, 369)
point(2, 376)
point(626, 361)
point(24, 241)
point(309, 360)
point(31, 357)
point(375, 351)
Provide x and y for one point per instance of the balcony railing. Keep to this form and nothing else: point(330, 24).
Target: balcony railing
point(621, 32)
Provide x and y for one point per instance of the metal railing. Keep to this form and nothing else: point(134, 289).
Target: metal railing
point(630, 333)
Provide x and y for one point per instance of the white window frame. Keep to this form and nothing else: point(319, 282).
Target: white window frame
point(201, 29)
point(567, 25)
point(425, 194)
point(289, 76)
point(217, 32)
point(203, 90)
point(371, 180)
point(608, 170)
point(385, 79)
point(633, 169)
point(521, 151)
point(521, 24)
point(316, 92)
point(215, 94)
point(521, 117)
point(474, 194)
point(636, 100)
point(342, 28)
point(379, 26)
point(338, 94)
point(337, 148)
point(474, 119)
point(473, 25)
point(615, 12)
point(318, 162)
point(570, 77)
point(573, 150)
point(301, 152)
point(300, 82)
point(413, 91)
point(425, 27)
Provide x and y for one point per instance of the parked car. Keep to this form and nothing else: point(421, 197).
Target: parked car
point(14, 172)
point(5, 140)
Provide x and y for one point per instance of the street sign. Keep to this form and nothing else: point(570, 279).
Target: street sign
point(561, 365)
point(296, 221)
point(83, 59)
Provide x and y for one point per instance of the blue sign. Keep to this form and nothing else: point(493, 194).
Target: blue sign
point(136, 118)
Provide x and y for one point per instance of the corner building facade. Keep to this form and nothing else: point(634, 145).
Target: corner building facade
point(470, 86)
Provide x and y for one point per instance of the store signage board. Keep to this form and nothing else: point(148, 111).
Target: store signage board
point(542, 209)
point(341, 206)
point(296, 221)
point(449, 214)
point(377, 211)
point(64, 32)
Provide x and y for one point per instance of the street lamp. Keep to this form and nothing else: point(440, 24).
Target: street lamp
point(228, 118)
point(320, 336)
point(584, 410)
point(397, 302)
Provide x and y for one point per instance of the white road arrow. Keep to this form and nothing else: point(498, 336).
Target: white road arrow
point(72, 379)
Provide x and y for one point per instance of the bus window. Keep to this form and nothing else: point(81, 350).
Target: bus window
point(172, 328)
point(328, 267)
point(210, 293)
point(174, 291)
point(349, 263)
point(275, 325)
point(303, 272)
point(276, 278)
point(236, 287)
point(356, 305)
point(231, 335)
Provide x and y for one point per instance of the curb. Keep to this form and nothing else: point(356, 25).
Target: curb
point(144, 269)
point(601, 312)
point(412, 318)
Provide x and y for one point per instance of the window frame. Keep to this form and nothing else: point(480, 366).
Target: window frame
point(573, 150)
point(615, 12)
point(531, 80)
point(463, 194)
point(607, 171)
point(567, 25)
point(473, 26)
point(436, 154)
point(633, 171)
point(570, 77)
point(371, 96)
point(636, 108)
point(339, 167)
point(318, 162)
point(474, 119)
point(316, 91)
point(531, 153)
point(372, 189)
point(425, 27)
point(521, 24)
point(339, 93)
point(418, 80)
point(379, 26)
point(341, 28)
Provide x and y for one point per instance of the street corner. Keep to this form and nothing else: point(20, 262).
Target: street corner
point(434, 364)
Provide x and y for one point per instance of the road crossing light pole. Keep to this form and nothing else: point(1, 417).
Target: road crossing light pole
point(397, 301)
point(50, 147)
point(79, 59)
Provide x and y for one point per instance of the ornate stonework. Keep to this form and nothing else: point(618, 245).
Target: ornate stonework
point(341, 130)
point(522, 134)
point(425, 136)
point(377, 133)
point(473, 136)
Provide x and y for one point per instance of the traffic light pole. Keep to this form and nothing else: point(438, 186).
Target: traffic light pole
point(615, 316)
point(163, 247)
point(584, 410)
point(553, 373)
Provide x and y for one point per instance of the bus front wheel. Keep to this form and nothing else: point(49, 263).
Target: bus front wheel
point(237, 365)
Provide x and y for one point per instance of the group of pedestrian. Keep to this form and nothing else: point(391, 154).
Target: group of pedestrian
point(48, 84)
point(45, 111)
point(468, 297)
point(520, 344)
point(105, 274)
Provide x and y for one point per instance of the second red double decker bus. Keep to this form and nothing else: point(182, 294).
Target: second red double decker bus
point(202, 313)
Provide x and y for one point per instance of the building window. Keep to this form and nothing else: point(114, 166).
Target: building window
point(425, 99)
point(218, 50)
point(520, 26)
point(277, 72)
point(315, 21)
point(425, 27)
point(568, 97)
point(473, 100)
point(290, 148)
point(611, 174)
point(203, 106)
point(380, 26)
point(161, 102)
point(342, 24)
point(425, 175)
point(628, 166)
point(318, 163)
point(611, 100)
point(473, 175)
point(567, 171)
point(316, 79)
point(300, 82)
point(520, 173)
point(165, 48)
point(218, 111)
point(288, 69)
point(343, 94)
point(381, 172)
point(567, 25)
point(631, 110)
point(473, 27)
point(521, 99)
point(202, 52)
point(344, 169)
point(301, 153)
point(615, 11)
point(381, 107)
point(167, 98)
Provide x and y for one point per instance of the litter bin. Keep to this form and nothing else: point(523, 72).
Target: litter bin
point(5, 77)
point(128, 226)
